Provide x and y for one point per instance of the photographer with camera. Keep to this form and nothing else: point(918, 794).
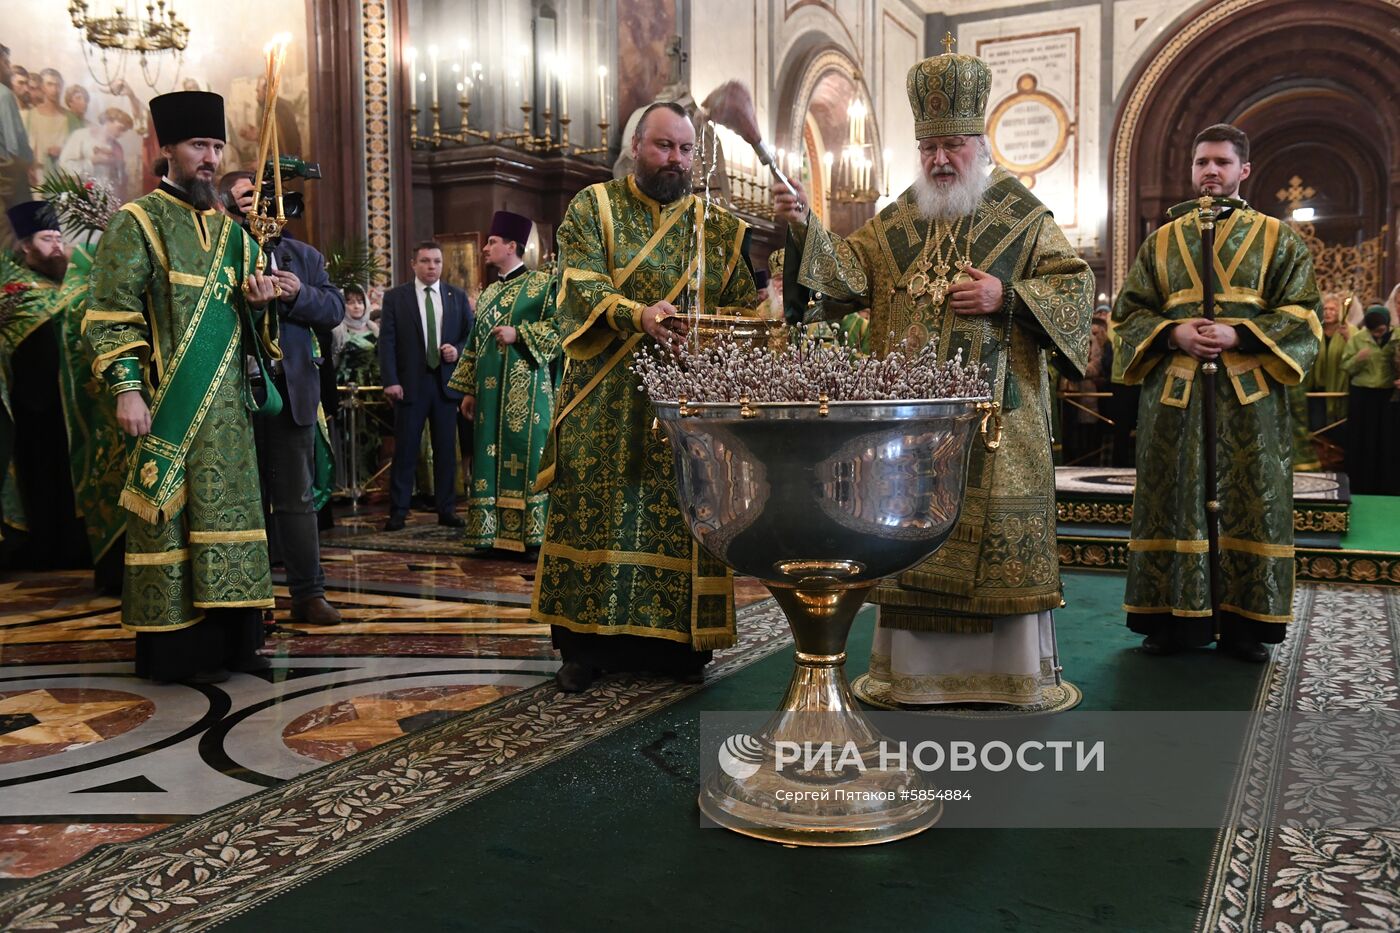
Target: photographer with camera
point(306, 302)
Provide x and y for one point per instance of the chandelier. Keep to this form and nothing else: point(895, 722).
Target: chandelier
point(111, 40)
point(852, 177)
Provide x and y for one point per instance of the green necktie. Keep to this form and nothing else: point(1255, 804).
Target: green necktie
point(434, 354)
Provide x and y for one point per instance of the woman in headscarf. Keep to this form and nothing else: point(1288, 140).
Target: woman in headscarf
point(357, 363)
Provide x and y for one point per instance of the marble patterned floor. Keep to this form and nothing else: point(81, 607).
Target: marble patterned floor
point(90, 754)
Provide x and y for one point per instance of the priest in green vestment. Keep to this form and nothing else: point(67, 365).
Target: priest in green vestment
point(968, 257)
point(1264, 339)
point(78, 415)
point(620, 579)
point(508, 391)
point(170, 318)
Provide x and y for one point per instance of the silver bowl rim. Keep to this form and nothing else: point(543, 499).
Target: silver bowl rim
point(847, 405)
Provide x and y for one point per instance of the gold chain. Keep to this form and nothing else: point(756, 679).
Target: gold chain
point(941, 262)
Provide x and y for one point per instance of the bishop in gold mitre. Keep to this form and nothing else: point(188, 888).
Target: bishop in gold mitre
point(967, 256)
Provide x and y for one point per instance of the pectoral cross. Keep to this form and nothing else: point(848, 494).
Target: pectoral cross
point(936, 288)
point(938, 291)
point(514, 465)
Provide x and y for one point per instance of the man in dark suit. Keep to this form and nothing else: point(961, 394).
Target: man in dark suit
point(287, 441)
point(422, 329)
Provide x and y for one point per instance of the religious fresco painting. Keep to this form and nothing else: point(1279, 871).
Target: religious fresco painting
point(90, 117)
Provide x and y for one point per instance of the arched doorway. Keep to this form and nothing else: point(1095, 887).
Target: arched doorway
point(816, 88)
point(1308, 81)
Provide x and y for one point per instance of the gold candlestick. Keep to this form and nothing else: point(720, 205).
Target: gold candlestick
point(602, 146)
point(465, 134)
point(525, 138)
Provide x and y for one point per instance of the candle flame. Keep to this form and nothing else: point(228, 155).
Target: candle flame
point(278, 44)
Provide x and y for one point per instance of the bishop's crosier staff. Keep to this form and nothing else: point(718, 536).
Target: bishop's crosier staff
point(1206, 215)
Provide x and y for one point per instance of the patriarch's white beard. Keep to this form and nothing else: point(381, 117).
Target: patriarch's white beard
point(959, 199)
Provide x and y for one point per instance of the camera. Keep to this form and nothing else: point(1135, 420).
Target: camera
point(291, 167)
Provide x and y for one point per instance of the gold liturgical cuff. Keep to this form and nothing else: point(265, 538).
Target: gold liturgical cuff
point(627, 316)
point(124, 375)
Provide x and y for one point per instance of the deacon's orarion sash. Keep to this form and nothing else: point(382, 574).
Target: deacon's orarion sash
point(207, 354)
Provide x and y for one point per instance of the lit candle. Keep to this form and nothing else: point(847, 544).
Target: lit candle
point(602, 93)
point(464, 88)
point(529, 85)
point(279, 58)
point(563, 86)
point(412, 77)
point(433, 71)
point(549, 84)
point(461, 66)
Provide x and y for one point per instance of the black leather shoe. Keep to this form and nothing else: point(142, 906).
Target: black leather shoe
point(1251, 651)
point(1159, 643)
point(216, 676)
point(574, 677)
point(255, 664)
point(315, 611)
point(395, 523)
point(451, 521)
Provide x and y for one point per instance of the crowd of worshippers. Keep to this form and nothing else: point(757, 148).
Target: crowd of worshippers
point(1345, 412)
point(220, 355)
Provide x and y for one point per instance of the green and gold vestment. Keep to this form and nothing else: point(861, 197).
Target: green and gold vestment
point(1001, 558)
point(1265, 289)
point(97, 448)
point(167, 291)
point(1327, 375)
point(1305, 456)
point(514, 393)
point(618, 557)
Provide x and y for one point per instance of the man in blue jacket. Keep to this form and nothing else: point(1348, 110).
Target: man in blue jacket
point(422, 328)
point(287, 441)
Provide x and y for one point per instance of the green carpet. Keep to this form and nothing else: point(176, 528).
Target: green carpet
point(1373, 524)
point(608, 838)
